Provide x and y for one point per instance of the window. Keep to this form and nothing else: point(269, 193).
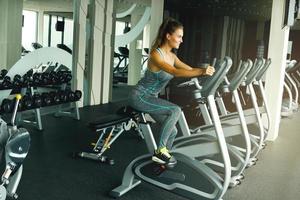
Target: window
point(68, 40)
point(29, 29)
point(46, 30)
point(57, 37)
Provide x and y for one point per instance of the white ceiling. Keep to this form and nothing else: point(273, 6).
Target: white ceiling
point(257, 9)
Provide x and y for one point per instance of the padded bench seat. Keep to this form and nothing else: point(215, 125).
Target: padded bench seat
point(109, 128)
point(108, 121)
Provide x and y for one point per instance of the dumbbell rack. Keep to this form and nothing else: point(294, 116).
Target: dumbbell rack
point(66, 109)
point(45, 59)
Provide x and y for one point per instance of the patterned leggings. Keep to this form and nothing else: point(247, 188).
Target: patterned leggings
point(163, 112)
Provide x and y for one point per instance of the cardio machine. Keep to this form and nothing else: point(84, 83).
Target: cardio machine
point(290, 104)
point(254, 116)
point(190, 177)
point(14, 143)
point(239, 159)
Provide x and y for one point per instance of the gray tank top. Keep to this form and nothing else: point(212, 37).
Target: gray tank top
point(153, 82)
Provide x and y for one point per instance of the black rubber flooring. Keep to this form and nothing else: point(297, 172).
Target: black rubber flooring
point(50, 172)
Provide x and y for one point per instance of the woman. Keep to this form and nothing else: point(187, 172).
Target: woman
point(163, 65)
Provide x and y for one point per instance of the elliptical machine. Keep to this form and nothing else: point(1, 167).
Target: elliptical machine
point(15, 143)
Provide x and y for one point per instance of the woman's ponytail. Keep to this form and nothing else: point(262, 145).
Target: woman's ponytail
point(169, 25)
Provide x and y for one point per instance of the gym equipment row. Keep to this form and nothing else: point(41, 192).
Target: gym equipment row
point(45, 89)
point(15, 142)
point(196, 152)
point(36, 73)
point(209, 157)
point(291, 84)
point(31, 79)
point(60, 102)
point(41, 100)
point(190, 174)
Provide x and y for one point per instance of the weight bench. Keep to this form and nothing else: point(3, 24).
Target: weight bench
point(110, 128)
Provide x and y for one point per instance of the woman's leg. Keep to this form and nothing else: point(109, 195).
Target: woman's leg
point(161, 120)
point(166, 113)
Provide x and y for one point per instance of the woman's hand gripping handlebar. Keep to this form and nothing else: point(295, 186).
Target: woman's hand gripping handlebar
point(208, 70)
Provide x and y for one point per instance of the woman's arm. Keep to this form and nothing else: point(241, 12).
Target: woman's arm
point(157, 63)
point(181, 65)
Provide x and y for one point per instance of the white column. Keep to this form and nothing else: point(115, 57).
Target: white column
point(146, 37)
point(102, 17)
point(109, 36)
point(95, 78)
point(278, 44)
point(135, 55)
point(79, 45)
point(40, 30)
point(10, 32)
point(157, 10)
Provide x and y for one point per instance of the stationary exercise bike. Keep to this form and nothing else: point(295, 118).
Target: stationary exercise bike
point(14, 143)
point(190, 178)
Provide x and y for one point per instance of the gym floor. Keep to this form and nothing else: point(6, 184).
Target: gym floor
point(51, 173)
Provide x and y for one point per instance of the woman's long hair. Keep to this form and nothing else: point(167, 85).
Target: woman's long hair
point(169, 25)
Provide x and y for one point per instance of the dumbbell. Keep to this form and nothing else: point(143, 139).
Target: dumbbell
point(17, 81)
point(64, 76)
point(67, 76)
point(46, 99)
point(3, 73)
point(27, 102)
point(60, 77)
point(37, 101)
point(29, 72)
point(7, 105)
point(62, 96)
point(37, 79)
point(55, 98)
point(6, 83)
point(27, 80)
point(53, 78)
point(45, 79)
point(70, 95)
point(78, 95)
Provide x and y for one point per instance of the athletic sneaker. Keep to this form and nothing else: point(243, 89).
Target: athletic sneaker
point(163, 156)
